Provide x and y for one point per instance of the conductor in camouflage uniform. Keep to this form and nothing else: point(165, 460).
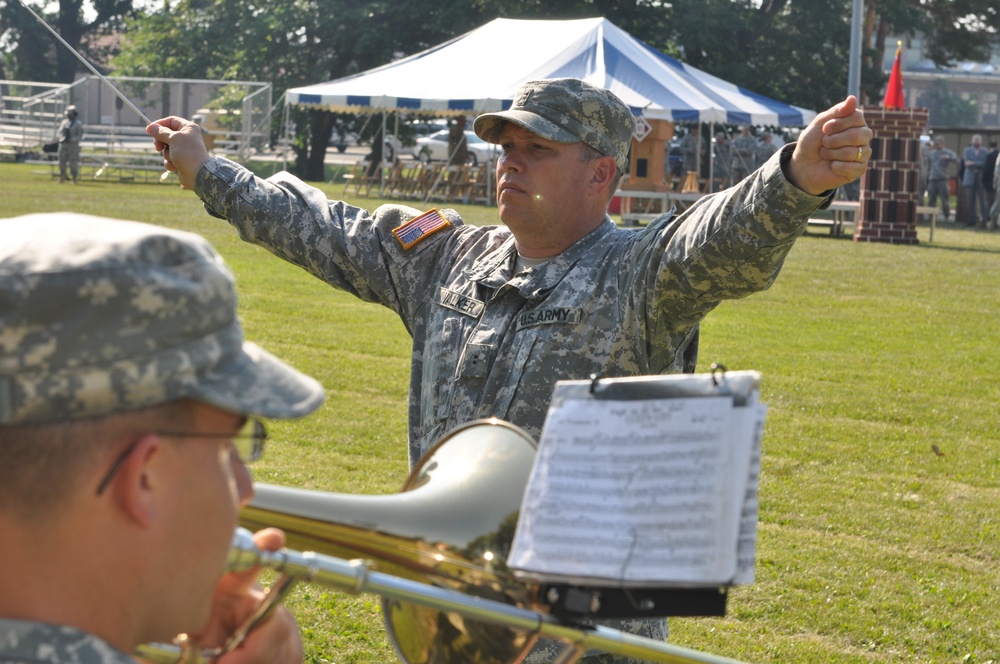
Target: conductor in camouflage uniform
point(498, 314)
point(128, 405)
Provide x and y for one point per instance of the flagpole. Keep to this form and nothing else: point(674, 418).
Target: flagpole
point(854, 71)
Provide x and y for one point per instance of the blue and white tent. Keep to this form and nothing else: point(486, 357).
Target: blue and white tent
point(481, 70)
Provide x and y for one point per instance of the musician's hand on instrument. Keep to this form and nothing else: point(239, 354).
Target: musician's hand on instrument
point(275, 640)
point(182, 145)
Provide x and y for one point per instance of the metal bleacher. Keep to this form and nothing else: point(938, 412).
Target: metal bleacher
point(115, 145)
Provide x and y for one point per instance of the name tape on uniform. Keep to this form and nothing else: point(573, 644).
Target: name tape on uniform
point(461, 303)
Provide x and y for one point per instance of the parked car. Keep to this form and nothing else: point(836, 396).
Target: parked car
point(435, 148)
point(393, 146)
point(423, 127)
point(340, 142)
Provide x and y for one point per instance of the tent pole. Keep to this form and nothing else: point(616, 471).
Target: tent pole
point(381, 170)
point(447, 164)
point(284, 131)
point(490, 177)
point(711, 161)
point(396, 139)
point(697, 147)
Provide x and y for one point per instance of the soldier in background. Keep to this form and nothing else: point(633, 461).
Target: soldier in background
point(744, 149)
point(974, 160)
point(69, 135)
point(924, 171)
point(939, 159)
point(995, 207)
point(989, 179)
point(690, 145)
point(723, 159)
point(765, 148)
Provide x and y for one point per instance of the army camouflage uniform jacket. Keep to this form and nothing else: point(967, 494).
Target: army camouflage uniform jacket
point(491, 342)
point(488, 342)
point(35, 642)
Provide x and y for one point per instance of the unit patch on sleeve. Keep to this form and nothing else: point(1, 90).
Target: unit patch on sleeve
point(460, 303)
point(548, 316)
point(418, 228)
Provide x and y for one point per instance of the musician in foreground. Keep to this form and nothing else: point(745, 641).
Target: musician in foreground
point(128, 410)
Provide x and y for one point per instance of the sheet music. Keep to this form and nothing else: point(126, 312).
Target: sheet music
point(643, 492)
point(746, 547)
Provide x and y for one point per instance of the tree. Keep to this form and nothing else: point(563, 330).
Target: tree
point(947, 108)
point(33, 54)
point(288, 43)
point(960, 29)
point(794, 50)
point(637, 17)
point(798, 50)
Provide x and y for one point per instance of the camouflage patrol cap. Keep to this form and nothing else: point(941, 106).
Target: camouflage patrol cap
point(567, 110)
point(100, 316)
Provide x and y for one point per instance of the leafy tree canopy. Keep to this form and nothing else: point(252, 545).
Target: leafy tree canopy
point(288, 43)
point(794, 50)
point(30, 52)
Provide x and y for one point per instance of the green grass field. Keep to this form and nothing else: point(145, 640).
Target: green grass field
point(873, 548)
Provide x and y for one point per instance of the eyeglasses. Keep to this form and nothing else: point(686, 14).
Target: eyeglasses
point(248, 443)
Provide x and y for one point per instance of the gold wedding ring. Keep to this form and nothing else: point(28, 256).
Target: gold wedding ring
point(861, 152)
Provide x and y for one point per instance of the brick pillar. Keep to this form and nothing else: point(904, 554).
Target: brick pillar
point(889, 188)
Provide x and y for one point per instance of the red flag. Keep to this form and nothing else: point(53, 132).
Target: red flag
point(894, 91)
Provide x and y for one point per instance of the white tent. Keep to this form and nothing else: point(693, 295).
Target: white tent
point(481, 70)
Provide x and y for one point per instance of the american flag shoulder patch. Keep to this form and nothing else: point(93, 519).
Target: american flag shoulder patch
point(420, 227)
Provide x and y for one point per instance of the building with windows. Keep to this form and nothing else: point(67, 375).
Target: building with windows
point(965, 96)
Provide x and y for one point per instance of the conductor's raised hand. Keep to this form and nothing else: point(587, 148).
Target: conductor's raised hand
point(833, 150)
point(182, 146)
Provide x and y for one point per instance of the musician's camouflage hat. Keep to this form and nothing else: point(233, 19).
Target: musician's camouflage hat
point(567, 110)
point(99, 316)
